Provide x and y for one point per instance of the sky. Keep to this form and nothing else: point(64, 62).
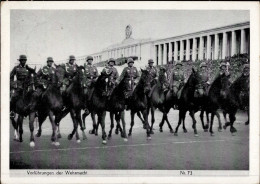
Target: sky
point(60, 33)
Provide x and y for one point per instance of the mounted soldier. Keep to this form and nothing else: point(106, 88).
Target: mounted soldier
point(152, 71)
point(70, 71)
point(113, 77)
point(203, 81)
point(90, 76)
point(21, 73)
point(44, 75)
point(169, 69)
point(132, 75)
point(177, 79)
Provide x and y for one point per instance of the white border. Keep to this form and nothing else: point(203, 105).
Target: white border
point(254, 83)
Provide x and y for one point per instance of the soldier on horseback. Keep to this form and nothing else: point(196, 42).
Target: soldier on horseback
point(90, 76)
point(21, 72)
point(132, 75)
point(169, 69)
point(203, 81)
point(152, 71)
point(70, 71)
point(113, 77)
point(177, 79)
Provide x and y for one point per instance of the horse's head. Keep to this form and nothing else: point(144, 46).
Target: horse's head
point(145, 81)
point(60, 73)
point(162, 75)
point(224, 84)
point(102, 83)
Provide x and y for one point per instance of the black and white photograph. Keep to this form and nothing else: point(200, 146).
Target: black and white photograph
point(156, 92)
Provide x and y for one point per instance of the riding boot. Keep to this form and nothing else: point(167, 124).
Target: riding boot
point(12, 115)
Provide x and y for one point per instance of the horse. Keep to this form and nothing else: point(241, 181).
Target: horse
point(21, 105)
point(157, 100)
point(73, 101)
point(188, 102)
point(116, 106)
point(216, 97)
point(237, 98)
point(50, 104)
point(98, 104)
point(139, 102)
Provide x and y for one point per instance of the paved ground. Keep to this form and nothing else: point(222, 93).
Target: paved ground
point(165, 151)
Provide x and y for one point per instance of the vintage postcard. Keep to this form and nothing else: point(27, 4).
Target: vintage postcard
point(130, 92)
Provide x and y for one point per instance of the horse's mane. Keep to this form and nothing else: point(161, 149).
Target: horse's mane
point(236, 86)
point(141, 82)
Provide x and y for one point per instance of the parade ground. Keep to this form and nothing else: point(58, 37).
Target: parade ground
point(163, 152)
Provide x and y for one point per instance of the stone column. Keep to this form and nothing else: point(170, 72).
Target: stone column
point(170, 51)
point(181, 50)
point(201, 48)
point(243, 42)
point(216, 46)
point(160, 54)
point(234, 43)
point(224, 47)
point(194, 49)
point(155, 54)
point(164, 53)
point(175, 51)
point(188, 49)
point(208, 46)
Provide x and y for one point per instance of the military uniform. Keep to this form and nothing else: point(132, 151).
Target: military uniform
point(44, 76)
point(131, 75)
point(90, 75)
point(70, 72)
point(153, 73)
point(169, 70)
point(203, 80)
point(112, 79)
point(177, 78)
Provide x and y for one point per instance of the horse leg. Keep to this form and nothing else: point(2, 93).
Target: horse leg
point(54, 129)
point(152, 119)
point(168, 123)
point(73, 117)
point(101, 121)
point(77, 116)
point(31, 125)
point(94, 124)
point(122, 117)
point(118, 127)
point(207, 115)
point(183, 123)
point(84, 115)
point(15, 125)
point(225, 118)
point(58, 118)
point(144, 112)
point(181, 114)
point(211, 123)
point(202, 120)
point(20, 127)
point(247, 122)
point(140, 117)
point(219, 121)
point(82, 128)
point(132, 122)
point(192, 114)
point(161, 124)
point(232, 118)
point(111, 125)
point(41, 118)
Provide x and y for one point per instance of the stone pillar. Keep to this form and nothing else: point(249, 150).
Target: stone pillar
point(187, 49)
point(155, 54)
point(224, 47)
point(234, 43)
point(208, 46)
point(181, 50)
point(194, 49)
point(160, 54)
point(201, 48)
point(164, 53)
point(170, 51)
point(243, 42)
point(216, 46)
point(175, 51)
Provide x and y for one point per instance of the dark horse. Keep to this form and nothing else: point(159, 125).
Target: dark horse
point(98, 104)
point(237, 98)
point(188, 102)
point(216, 96)
point(21, 105)
point(50, 104)
point(116, 106)
point(139, 102)
point(158, 99)
point(72, 99)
